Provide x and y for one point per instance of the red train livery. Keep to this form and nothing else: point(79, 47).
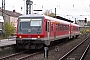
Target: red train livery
point(35, 31)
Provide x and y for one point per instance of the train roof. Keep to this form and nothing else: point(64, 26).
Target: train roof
point(57, 20)
point(75, 24)
point(32, 15)
point(46, 17)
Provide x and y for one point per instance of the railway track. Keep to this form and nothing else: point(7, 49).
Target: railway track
point(32, 56)
point(87, 54)
point(20, 56)
point(40, 54)
point(23, 55)
point(13, 55)
point(52, 51)
point(78, 52)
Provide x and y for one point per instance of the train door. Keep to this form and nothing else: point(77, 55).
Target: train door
point(70, 30)
point(47, 29)
point(47, 32)
point(52, 29)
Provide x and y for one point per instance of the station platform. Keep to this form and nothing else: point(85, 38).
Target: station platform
point(7, 42)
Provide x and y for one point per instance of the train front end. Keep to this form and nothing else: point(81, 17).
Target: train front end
point(30, 32)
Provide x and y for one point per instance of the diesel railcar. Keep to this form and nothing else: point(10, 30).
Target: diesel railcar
point(35, 31)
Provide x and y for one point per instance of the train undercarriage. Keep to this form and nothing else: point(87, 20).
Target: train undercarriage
point(35, 44)
point(30, 44)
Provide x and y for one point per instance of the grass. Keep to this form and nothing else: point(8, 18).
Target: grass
point(82, 31)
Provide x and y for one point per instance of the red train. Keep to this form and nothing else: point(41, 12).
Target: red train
point(35, 31)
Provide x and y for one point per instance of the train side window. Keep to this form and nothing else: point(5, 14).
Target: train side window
point(64, 27)
point(56, 26)
point(67, 27)
point(51, 26)
point(60, 27)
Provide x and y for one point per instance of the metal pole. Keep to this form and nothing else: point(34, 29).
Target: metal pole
point(55, 12)
point(45, 52)
point(3, 8)
point(75, 21)
point(3, 14)
point(28, 6)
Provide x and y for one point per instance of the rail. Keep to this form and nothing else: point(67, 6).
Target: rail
point(83, 55)
point(13, 55)
point(74, 48)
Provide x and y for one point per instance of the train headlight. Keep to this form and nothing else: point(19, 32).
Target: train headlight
point(38, 36)
point(20, 36)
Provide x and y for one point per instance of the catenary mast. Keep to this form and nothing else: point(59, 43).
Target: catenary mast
point(28, 6)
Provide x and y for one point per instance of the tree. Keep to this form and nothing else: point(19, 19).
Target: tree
point(88, 23)
point(49, 13)
point(9, 29)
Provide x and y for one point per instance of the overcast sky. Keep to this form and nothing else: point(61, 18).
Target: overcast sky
point(73, 8)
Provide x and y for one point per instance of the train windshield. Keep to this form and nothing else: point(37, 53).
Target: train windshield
point(24, 23)
point(29, 23)
point(36, 22)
